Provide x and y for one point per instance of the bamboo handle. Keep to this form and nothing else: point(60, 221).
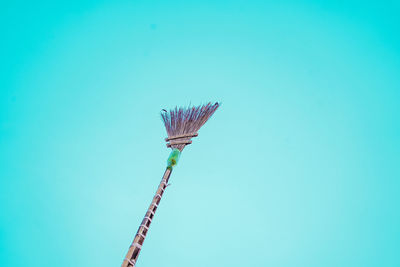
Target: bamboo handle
point(136, 246)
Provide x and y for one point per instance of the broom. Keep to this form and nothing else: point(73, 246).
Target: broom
point(182, 125)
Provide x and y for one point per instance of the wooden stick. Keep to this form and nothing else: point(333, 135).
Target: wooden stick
point(134, 249)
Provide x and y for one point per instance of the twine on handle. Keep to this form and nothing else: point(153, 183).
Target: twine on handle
point(182, 139)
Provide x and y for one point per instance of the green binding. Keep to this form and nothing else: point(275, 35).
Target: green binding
point(173, 158)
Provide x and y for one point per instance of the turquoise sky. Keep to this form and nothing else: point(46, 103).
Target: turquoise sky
point(300, 166)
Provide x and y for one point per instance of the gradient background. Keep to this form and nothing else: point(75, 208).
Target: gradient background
point(298, 167)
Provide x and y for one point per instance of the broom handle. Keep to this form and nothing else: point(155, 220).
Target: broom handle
point(134, 249)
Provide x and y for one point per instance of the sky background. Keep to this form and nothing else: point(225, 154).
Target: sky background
point(300, 166)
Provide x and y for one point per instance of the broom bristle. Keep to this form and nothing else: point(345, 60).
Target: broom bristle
point(181, 121)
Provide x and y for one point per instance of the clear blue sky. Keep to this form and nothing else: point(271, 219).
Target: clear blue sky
point(298, 167)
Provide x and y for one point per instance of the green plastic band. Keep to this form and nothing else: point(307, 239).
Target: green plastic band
point(173, 158)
